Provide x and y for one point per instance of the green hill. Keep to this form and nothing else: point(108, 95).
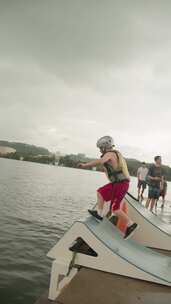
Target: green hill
point(25, 149)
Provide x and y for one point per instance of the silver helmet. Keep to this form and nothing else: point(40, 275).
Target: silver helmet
point(105, 142)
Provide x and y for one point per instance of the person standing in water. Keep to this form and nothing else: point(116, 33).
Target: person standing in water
point(141, 175)
point(156, 182)
point(116, 170)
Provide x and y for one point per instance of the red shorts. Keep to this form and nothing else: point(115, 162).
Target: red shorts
point(114, 193)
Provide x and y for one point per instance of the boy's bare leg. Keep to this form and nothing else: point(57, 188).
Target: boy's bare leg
point(97, 212)
point(147, 203)
point(141, 198)
point(163, 202)
point(131, 227)
point(153, 201)
point(139, 192)
point(142, 192)
point(122, 215)
point(119, 213)
point(100, 203)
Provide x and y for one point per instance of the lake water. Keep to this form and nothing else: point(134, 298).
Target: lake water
point(37, 204)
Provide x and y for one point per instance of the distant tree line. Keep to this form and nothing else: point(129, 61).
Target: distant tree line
point(43, 159)
point(33, 153)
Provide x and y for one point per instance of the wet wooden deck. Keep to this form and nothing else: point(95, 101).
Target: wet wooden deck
point(92, 286)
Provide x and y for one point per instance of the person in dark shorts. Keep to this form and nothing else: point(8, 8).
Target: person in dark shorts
point(141, 175)
point(155, 180)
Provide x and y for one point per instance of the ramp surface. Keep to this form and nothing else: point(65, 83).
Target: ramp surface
point(153, 231)
point(143, 258)
point(148, 216)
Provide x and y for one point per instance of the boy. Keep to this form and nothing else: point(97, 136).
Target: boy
point(117, 172)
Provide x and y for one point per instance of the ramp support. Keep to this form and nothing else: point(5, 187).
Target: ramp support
point(60, 268)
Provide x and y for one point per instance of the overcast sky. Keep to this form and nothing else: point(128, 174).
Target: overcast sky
point(72, 71)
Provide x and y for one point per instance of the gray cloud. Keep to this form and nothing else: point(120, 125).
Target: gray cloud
point(71, 71)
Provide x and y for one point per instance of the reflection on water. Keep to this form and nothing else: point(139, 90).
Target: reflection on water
point(37, 204)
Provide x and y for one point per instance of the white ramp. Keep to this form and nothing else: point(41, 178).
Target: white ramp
point(153, 232)
point(113, 254)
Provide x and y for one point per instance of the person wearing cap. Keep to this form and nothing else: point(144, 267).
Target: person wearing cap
point(116, 170)
point(141, 175)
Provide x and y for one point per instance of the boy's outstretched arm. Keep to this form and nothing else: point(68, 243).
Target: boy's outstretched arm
point(90, 164)
point(99, 161)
